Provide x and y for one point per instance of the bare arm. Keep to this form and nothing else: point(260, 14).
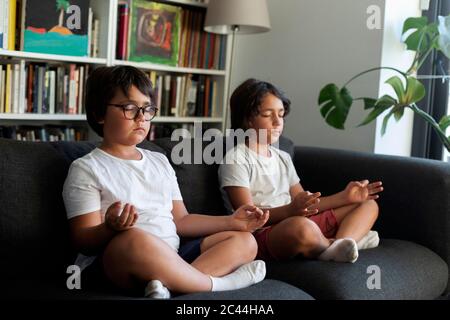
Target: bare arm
point(90, 235)
point(355, 192)
point(246, 218)
point(240, 195)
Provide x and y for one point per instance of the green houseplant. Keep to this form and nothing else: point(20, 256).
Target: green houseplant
point(424, 37)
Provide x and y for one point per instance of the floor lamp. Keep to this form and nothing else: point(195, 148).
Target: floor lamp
point(236, 17)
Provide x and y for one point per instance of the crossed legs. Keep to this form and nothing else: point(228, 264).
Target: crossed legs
point(134, 257)
point(300, 235)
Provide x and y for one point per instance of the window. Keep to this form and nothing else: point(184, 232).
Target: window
point(425, 143)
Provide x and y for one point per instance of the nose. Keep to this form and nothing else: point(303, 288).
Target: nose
point(276, 119)
point(140, 115)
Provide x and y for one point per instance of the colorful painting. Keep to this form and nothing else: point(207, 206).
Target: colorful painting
point(56, 27)
point(154, 34)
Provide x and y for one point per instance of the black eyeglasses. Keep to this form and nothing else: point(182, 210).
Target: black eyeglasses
point(131, 111)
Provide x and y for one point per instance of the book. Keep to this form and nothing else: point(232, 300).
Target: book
point(154, 33)
point(56, 27)
point(122, 34)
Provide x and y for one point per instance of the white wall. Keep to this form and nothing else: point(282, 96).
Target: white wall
point(313, 43)
point(398, 137)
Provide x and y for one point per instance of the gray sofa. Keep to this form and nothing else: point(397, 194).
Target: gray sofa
point(414, 224)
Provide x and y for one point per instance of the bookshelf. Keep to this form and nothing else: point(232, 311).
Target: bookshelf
point(107, 13)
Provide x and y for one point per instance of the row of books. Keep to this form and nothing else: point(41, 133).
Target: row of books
point(42, 88)
point(48, 26)
point(189, 95)
point(167, 34)
point(44, 133)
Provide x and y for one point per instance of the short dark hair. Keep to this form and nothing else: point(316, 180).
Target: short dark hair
point(247, 98)
point(102, 86)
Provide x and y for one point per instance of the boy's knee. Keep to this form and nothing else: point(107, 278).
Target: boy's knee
point(246, 243)
point(303, 231)
point(372, 206)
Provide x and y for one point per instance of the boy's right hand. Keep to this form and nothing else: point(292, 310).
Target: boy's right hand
point(305, 204)
point(120, 221)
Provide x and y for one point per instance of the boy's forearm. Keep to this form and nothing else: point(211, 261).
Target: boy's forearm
point(279, 214)
point(334, 201)
point(91, 241)
point(197, 225)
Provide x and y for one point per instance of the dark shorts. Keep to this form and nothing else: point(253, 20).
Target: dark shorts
point(190, 249)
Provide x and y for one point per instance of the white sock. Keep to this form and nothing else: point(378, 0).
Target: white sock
point(244, 276)
point(341, 250)
point(156, 290)
point(370, 240)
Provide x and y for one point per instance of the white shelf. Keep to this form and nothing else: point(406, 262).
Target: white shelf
point(51, 57)
point(188, 2)
point(160, 67)
point(186, 120)
point(35, 116)
point(82, 117)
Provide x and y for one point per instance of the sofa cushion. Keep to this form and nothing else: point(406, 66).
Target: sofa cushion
point(50, 290)
point(407, 270)
point(33, 225)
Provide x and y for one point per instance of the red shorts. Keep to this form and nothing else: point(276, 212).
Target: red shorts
point(326, 221)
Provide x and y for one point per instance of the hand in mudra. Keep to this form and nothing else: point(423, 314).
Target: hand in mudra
point(249, 218)
point(306, 204)
point(359, 191)
point(120, 220)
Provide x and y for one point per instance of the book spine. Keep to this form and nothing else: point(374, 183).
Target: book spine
point(2, 88)
point(5, 22)
point(22, 87)
point(72, 103)
point(30, 77)
point(16, 88)
point(122, 39)
point(12, 25)
point(52, 91)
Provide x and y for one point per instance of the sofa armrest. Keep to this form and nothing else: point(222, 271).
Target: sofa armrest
point(415, 203)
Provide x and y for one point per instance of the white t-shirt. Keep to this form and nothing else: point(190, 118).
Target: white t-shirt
point(268, 178)
point(98, 179)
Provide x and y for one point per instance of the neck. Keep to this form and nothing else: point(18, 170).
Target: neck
point(120, 150)
point(259, 148)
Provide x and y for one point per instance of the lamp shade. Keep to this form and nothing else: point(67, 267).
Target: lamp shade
point(250, 16)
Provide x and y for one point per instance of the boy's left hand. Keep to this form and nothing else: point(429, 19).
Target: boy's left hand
point(249, 218)
point(359, 191)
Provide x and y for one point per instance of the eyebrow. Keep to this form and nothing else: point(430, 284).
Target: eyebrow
point(272, 109)
point(136, 102)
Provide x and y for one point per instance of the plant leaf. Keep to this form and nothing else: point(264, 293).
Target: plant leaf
point(421, 35)
point(397, 84)
point(414, 23)
point(335, 105)
point(369, 103)
point(381, 105)
point(374, 114)
point(398, 112)
point(386, 100)
point(385, 122)
point(444, 123)
point(415, 91)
